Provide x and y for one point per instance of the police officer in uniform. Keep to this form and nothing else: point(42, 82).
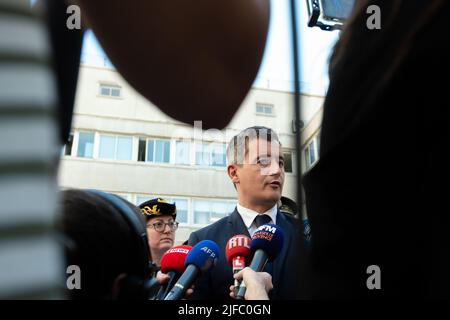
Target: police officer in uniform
point(161, 225)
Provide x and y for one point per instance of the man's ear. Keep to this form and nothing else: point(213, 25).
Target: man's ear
point(233, 173)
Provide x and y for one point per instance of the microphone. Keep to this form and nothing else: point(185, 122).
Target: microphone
point(172, 263)
point(267, 242)
point(202, 257)
point(237, 253)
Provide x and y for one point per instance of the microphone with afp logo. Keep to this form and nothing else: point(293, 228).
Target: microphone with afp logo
point(202, 257)
point(267, 242)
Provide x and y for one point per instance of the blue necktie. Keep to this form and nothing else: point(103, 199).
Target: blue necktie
point(259, 221)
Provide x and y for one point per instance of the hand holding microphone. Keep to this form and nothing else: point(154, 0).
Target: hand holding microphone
point(202, 257)
point(237, 253)
point(258, 284)
point(267, 242)
point(172, 264)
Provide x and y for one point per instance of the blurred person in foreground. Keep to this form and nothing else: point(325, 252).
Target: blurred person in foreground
point(111, 255)
point(375, 199)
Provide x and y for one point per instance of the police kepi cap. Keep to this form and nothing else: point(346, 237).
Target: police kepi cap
point(158, 207)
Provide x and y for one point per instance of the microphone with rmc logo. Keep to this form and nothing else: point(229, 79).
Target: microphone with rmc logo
point(237, 253)
point(202, 257)
point(267, 242)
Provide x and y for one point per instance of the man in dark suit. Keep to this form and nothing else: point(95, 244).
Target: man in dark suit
point(256, 168)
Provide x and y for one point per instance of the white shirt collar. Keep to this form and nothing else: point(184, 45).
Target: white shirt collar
point(249, 215)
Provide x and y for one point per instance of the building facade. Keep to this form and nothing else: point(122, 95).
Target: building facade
point(123, 144)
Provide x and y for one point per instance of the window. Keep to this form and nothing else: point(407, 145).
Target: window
point(182, 209)
point(206, 212)
point(142, 199)
point(110, 90)
point(115, 147)
point(218, 155)
point(318, 142)
point(287, 155)
point(85, 144)
point(67, 149)
point(124, 148)
point(141, 149)
point(151, 150)
point(200, 158)
point(161, 152)
point(182, 153)
point(212, 154)
point(107, 147)
point(264, 109)
point(311, 153)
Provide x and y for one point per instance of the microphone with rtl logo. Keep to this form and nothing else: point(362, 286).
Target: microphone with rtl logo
point(238, 253)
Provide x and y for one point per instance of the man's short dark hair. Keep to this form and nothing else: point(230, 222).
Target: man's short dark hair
point(238, 146)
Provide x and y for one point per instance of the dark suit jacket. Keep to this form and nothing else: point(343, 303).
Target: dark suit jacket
point(215, 284)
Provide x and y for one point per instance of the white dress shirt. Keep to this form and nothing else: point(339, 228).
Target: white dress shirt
point(249, 216)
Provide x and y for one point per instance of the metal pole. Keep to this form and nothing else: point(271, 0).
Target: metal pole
point(297, 106)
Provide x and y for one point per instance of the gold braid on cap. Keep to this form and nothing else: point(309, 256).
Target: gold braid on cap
point(151, 211)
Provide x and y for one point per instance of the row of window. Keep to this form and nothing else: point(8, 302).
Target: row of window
point(191, 211)
point(178, 152)
point(115, 91)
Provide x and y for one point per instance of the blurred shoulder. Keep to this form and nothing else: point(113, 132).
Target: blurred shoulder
point(289, 217)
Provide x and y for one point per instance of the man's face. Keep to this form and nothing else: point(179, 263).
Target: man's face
point(259, 181)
